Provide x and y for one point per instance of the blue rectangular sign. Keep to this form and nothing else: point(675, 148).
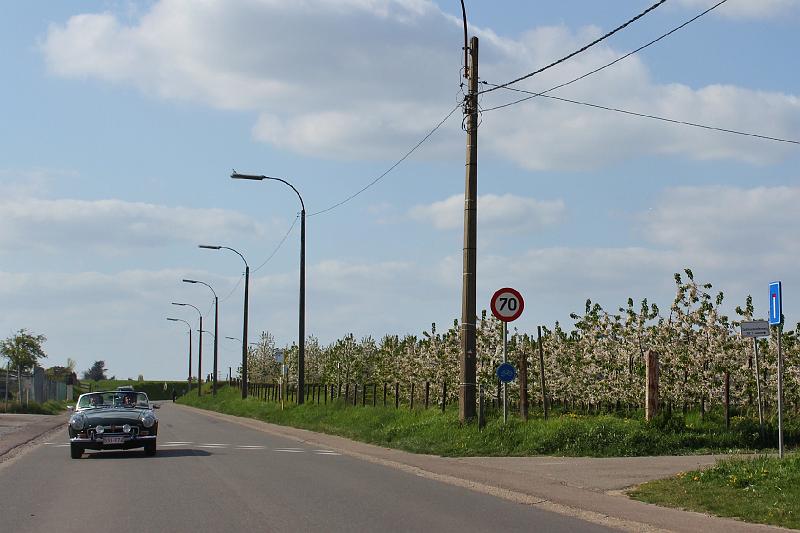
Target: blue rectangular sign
point(775, 306)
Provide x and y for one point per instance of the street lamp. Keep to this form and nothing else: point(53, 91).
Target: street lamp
point(216, 328)
point(199, 350)
point(190, 347)
point(301, 359)
point(244, 320)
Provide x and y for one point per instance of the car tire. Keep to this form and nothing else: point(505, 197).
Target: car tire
point(75, 451)
point(150, 449)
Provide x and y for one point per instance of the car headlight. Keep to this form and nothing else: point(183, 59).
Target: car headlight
point(99, 430)
point(78, 421)
point(126, 428)
point(148, 420)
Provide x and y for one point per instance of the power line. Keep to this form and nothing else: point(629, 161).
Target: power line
point(595, 71)
point(277, 247)
point(579, 51)
point(653, 117)
point(233, 289)
point(387, 171)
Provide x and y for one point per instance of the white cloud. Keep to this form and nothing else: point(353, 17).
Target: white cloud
point(507, 212)
point(368, 78)
point(112, 226)
point(746, 9)
point(729, 227)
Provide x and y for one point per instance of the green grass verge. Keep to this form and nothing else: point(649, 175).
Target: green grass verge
point(33, 408)
point(432, 432)
point(762, 490)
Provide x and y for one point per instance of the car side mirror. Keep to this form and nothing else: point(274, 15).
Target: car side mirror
point(156, 406)
point(70, 408)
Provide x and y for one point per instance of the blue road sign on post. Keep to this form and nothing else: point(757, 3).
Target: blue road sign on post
point(775, 305)
point(506, 372)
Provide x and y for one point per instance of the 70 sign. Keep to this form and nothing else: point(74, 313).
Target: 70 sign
point(507, 304)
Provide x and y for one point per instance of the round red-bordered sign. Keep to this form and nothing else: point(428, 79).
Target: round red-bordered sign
point(507, 304)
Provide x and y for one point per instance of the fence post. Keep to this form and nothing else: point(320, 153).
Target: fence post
point(651, 394)
point(355, 394)
point(427, 392)
point(523, 384)
point(412, 397)
point(545, 403)
point(374, 394)
point(363, 395)
point(346, 392)
point(481, 415)
point(384, 393)
point(444, 395)
point(326, 395)
point(396, 394)
point(727, 400)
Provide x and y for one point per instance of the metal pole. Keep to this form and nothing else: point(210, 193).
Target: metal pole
point(8, 369)
point(758, 390)
point(190, 359)
point(200, 361)
point(301, 360)
point(468, 363)
point(780, 392)
point(244, 330)
point(216, 335)
point(505, 360)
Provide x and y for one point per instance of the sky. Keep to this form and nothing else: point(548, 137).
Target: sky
point(121, 122)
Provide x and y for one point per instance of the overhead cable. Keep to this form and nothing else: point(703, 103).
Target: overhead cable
point(595, 71)
point(388, 170)
point(653, 117)
point(576, 52)
point(277, 247)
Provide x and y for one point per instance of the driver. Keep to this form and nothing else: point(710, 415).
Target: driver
point(128, 401)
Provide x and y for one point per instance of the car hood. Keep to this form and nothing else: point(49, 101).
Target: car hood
point(108, 417)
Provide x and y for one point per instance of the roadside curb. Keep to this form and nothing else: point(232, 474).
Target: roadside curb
point(10, 442)
point(609, 508)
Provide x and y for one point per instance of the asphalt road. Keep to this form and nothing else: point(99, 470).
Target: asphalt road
point(214, 475)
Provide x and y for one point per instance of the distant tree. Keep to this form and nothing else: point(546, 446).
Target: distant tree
point(23, 351)
point(141, 378)
point(97, 372)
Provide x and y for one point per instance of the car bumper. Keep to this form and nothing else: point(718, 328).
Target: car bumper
point(126, 444)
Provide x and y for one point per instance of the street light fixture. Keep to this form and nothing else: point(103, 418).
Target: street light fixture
point(244, 320)
point(190, 348)
point(199, 349)
point(216, 328)
point(301, 358)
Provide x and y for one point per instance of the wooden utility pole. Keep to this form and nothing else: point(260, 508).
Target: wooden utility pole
point(523, 383)
point(545, 405)
point(468, 363)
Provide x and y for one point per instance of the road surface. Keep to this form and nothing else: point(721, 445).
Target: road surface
point(212, 475)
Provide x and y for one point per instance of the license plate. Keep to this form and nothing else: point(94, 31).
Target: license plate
point(113, 440)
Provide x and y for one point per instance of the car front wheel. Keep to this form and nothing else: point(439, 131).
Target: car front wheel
point(75, 451)
point(150, 449)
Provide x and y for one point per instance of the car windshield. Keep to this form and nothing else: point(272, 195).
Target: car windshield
point(99, 400)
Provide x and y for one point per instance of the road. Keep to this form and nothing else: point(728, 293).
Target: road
point(215, 475)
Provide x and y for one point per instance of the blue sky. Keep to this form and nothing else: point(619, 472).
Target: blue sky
point(121, 122)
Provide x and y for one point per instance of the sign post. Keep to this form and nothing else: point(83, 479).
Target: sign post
point(507, 305)
point(755, 329)
point(776, 319)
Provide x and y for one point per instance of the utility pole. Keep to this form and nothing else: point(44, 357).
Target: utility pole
point(216, 334)
point(200, 360)
point(468, 363)
point(244, 329)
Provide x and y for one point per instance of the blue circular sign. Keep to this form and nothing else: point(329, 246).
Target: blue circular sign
point(506, 372)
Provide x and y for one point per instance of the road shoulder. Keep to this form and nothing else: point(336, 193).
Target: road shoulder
point(29, 431)
point(586, 488)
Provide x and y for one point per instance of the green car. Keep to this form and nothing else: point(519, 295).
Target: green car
point(113, 420)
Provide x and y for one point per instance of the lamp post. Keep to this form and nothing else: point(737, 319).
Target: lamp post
point(199, 351)
point(216, 328)
point(244, 320)
point(301, 359)
point(190, 348)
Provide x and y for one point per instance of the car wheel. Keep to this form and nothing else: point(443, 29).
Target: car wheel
point(150, 449)
point(75, 451)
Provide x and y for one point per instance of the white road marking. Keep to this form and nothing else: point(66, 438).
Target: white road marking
point(168, 445)
point(318, 452)
point(178, 442)
point(212, 445)
point(249, 447)
point(289, 450)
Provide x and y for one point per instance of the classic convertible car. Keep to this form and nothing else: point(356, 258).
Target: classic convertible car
point(113, 420)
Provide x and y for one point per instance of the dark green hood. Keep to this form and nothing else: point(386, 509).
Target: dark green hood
point(114, 416)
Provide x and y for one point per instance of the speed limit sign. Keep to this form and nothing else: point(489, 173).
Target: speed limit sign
point(507, 304)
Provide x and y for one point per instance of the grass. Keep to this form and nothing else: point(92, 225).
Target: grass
point(47, 408)
point(762, 490)
point(431, 432)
